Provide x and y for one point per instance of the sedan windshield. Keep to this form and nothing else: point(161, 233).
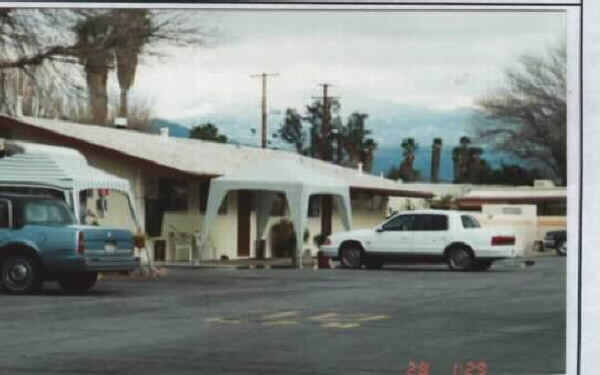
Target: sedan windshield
point(47, 212)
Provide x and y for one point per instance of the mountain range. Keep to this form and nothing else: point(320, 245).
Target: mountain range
point(389, 126)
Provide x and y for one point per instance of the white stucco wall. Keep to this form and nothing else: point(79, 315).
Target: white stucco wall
point(224, 236)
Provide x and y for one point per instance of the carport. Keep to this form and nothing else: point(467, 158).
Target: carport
point(36, 166)
point(291, 177)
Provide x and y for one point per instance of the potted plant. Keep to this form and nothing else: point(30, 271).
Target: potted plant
point(319, 239)
point(139, 240)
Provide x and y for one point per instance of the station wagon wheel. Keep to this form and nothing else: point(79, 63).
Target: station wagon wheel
point(561, 248)
point(459, 259)
point(351, 256)
point(21, 275)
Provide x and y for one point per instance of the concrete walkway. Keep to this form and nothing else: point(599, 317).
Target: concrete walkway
point(234, 263)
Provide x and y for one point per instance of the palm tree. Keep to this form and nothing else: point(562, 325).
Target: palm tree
point(460, 157)
point(359, 147)
point(132, 30)
point(407, 171)
point(94, 38)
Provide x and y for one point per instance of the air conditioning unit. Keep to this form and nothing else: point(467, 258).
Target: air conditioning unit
point(543, 184)
point(121, 122)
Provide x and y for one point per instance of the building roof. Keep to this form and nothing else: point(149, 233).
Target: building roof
point(467, 192)
point(195, 157)
point(518, 193)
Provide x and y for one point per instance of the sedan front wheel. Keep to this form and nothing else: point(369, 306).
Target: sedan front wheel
point(351, 256)
point(460, 259)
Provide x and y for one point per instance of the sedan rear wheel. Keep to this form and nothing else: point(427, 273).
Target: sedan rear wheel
point(460, 259)
point(351, 256)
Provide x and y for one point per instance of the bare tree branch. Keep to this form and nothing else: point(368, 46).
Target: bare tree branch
point(527, 117)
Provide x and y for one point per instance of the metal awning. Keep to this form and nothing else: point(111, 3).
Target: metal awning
point(30, 164)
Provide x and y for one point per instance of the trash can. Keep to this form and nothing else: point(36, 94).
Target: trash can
point(260, 245)
point(323, 260)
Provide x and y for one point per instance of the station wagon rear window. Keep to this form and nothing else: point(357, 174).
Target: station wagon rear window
point(47, 212)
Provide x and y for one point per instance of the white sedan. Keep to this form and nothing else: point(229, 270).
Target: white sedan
point(425, 236)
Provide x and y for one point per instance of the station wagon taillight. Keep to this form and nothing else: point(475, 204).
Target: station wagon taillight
point(503, 240)
point(81, 243)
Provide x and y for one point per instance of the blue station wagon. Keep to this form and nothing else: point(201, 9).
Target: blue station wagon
point(40, 240)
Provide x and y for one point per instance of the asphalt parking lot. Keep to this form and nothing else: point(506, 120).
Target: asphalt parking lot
point(216, 321)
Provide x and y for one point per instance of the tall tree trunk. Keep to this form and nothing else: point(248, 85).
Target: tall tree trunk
point(3, 97)
point(132, 26)
point(123, 105)
point(96, 77)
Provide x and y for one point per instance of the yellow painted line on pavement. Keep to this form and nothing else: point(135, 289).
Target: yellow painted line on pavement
point(323, 316)
point(222, 320)
point(373, 317)
point(284, 314)
point(280, 322)
point(340, 325)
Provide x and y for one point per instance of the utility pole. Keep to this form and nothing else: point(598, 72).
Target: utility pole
point(264, 76)
point(327, 155)
point(325, 147)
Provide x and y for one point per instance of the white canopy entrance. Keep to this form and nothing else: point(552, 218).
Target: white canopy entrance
point(290, 177)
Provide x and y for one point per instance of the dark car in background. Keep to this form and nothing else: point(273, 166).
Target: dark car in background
point(557, 240)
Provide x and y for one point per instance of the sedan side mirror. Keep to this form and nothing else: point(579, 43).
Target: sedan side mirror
point(379, 230)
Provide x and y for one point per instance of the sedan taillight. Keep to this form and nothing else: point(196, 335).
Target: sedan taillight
point(503, 240)
point(81, 243)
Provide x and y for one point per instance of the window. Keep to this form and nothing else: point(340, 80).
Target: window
point(279, 205)
point(6, 133)
point(550, 208)
point(203, 195)
point(4, 214)
point(47, 212)
point(314, 206)
point(431, 222)
point(512, 211)
point(173, 194)
point(469, 222)
point(400, 223)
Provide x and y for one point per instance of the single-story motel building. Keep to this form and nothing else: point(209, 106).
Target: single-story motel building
point(170, 178)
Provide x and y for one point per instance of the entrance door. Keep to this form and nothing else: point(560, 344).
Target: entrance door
point(243, 219)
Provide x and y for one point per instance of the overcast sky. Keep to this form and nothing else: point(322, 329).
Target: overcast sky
point(435, 60)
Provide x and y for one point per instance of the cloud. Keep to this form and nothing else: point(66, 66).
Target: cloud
point(439, 60)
